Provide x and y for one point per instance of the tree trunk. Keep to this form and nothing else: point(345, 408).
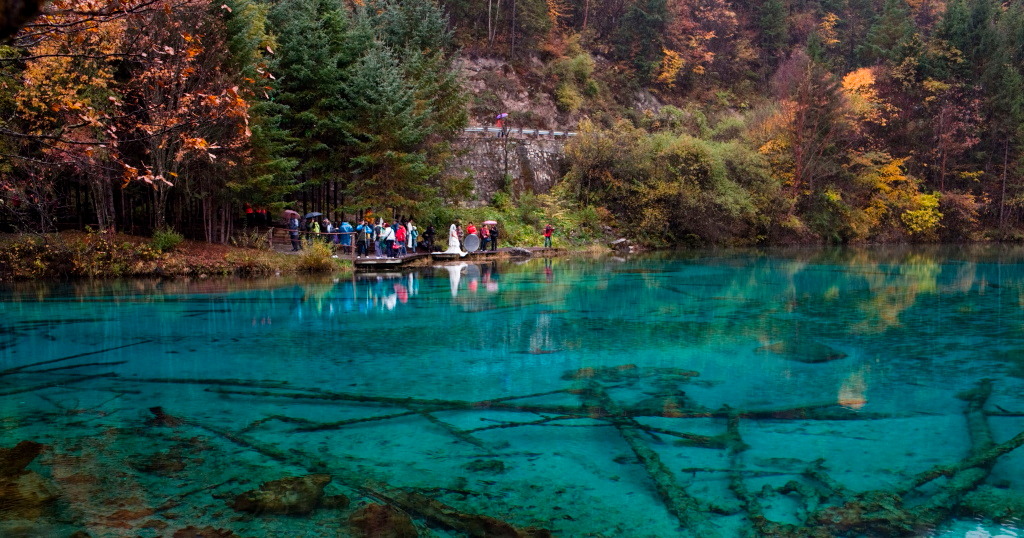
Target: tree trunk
point(490, 24)
point(512, 29)
point(103, 203)
point(1002, 194)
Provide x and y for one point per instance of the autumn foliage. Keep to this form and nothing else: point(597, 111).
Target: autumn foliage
point(701, 121)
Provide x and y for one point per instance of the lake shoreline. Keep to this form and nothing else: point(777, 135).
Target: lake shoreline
point(75, 255)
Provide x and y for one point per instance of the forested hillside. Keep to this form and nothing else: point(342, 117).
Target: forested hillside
point(701, 121)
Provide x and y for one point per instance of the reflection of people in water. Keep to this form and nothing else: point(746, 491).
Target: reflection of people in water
point(403, 293)
point(489, 275)
point(549, 274)
point(454, 276)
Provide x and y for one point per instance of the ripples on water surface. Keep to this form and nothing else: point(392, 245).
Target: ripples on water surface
point(645, 397)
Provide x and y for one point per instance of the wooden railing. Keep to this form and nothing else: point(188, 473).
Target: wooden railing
point(518, 132)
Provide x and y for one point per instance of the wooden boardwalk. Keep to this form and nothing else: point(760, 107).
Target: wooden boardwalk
point(281, 242)
point(373, 264)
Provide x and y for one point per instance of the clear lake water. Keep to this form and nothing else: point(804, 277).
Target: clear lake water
point(587, 396)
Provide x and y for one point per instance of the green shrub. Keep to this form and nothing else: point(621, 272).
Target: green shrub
point(316, 258)
point(165, 240)
point(568, 98)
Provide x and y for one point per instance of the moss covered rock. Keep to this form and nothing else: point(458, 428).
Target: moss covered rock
point(292, 495)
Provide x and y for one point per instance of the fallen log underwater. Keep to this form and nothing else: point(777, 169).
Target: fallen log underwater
point(895, 511)
point(411, 502)
point(830, 509)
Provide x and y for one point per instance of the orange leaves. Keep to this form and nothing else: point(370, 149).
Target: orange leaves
point(862, 97)
point(172, 95)
point(695, 31)
point(130, 174)
point(197, 143)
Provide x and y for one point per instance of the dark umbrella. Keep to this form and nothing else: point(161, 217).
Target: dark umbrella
point(313, 214)
point(289, 213)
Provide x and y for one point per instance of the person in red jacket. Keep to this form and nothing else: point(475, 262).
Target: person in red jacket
point(548, 230)
point(400, 238)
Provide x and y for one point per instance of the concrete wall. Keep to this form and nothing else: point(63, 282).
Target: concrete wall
point(533, 163)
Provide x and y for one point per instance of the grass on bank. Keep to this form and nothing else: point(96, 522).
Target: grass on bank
point(107, 255)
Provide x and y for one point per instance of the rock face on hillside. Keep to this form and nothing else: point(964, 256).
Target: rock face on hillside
point(523, 161)
point(495, 87)
point(527, 165)
point(518, 163)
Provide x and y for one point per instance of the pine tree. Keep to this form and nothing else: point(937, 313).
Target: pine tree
point(891, 37)
point(318, 42)
point(773, 22)
point(266, 176)
point(388, 130)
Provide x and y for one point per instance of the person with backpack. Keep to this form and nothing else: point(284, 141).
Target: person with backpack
point(548, 230)
point(364, 234)
point(378, 243)
point(387, 238)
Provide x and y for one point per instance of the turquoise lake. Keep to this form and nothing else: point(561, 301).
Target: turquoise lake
point(665, 395)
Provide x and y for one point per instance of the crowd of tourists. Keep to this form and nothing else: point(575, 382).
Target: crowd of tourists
point(392, 238)
point(386, 238)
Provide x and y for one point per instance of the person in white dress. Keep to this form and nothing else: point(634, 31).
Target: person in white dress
point(410, 237)
point(453, 241)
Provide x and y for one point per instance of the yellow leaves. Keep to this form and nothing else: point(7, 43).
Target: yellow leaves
point(129, 174)
point(934, 88)
point(924, 219)
point(671, 63)
point(827, 30)
point(859, 81)
point(772, 146)
point(196, 143)
point(970, 176)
